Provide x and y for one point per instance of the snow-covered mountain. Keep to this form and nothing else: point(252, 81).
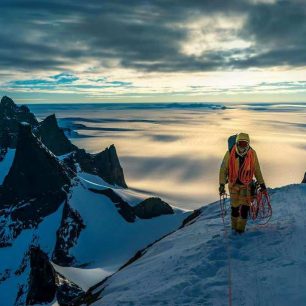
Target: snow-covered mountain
point(191, 265)
point(72, 210)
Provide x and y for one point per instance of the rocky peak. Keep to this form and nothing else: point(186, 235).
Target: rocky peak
point(7, 106)
point(53, 137)
point(9, 110)
point(35, 170)
point(304, 179)
point(108, 166)
point(10, 117)
point(104, 164)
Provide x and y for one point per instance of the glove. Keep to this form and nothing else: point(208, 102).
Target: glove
point(263, 187)
point(221, 189)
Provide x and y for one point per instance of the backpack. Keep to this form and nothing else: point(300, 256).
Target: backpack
point(231, 142)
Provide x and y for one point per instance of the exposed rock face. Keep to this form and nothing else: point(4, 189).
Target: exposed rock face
point(124, 209)
point(104, 164)
point(53, 137)
point(8, 109)
point(147, 209)
point(42, 286)
point(45, 283)
point(152, 207)
point(10, 117)
point(35, 171)
point(304, 179)
point(191, 218)
point(67, 291)
point(67, 235)
point(33, 189)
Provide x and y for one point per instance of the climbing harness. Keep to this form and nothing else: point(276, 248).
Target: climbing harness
point(260, 207)
point(223, 208)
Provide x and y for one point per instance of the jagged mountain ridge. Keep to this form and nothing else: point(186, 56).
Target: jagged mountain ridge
point(45, 206)
point(35, 170)
point(105, 164)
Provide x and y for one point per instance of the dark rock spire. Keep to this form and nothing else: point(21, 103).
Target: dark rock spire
point(35, 170)
point(104, 164)
point(53, 137)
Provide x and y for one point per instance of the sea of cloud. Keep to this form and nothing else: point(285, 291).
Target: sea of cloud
point(175, 150)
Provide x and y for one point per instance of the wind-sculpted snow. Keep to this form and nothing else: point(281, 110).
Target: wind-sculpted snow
point(190, 266)
point(108, 240)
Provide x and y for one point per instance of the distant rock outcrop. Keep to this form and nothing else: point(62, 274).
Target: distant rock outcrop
point(147, 209)
point(304, 179)
point(124, 209)
point(152, 207)
point(104, 164)
point(53, 137)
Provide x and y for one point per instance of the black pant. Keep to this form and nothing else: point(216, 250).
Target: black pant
point(240, 211)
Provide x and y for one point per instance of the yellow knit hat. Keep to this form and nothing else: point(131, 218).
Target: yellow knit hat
point(243, 136)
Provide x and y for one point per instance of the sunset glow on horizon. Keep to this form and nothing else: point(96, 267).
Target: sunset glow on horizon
point(153, 51)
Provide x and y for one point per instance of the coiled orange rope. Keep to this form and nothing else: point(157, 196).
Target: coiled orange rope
point(246, 172)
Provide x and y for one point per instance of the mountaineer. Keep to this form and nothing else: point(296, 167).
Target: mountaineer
point(239, 166)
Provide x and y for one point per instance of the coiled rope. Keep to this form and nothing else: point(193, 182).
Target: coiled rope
point(246, 172)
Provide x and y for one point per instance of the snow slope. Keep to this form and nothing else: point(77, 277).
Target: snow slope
point(190, 266)
point(108, 241)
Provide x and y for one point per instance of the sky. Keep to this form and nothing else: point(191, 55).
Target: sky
point(153, 51)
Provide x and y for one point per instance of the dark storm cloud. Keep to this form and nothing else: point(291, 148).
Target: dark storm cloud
point(145, 35)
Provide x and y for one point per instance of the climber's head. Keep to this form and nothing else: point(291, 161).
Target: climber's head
point(242, 143)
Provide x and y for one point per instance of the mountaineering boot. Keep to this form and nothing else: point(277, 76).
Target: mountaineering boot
point(234, 221)
point(241, 223)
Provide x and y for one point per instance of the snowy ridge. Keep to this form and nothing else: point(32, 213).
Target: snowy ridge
point(108, 241)
point(190, 266)
point(104, 245)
